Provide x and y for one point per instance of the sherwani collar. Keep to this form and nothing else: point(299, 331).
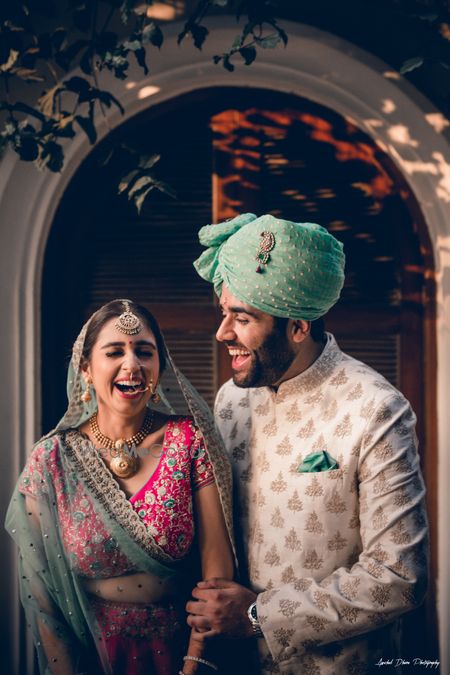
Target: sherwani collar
point(313, 377)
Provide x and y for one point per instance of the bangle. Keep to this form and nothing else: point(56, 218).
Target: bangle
point(210, 664)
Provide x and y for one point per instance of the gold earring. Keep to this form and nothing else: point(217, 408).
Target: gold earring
point(154, 396)
point(86, 395)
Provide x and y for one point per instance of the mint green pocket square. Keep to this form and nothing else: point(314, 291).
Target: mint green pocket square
point(317, 461)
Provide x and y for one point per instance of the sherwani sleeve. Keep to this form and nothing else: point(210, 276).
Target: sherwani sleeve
point(389, 576)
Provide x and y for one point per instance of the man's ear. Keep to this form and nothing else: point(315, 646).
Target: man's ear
point(299, 329)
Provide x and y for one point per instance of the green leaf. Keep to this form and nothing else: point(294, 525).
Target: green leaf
point(126, 180)
point(86, 62)
point(237, 42)
point(64, 127)
point(166, 188)
point(79, 85)
point(27, 74)
point(28, 110)
point(283, 35)
point(248, 54)
point(133, 46)
point(227, 63)
point(125, 11)
point(140, 58)
point(141, 194)
point(107, 98)
point(155, 36)
point(51, 156)
point(47, 102)
point(140, 183)
point(12, 58)
point(140, 199)
point(147, 161)
point(411, 64)
point(27, 149)
point(88, 126)
point(199, 34)
point(269, 42)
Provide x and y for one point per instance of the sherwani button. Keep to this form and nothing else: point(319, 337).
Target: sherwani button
point(289, 651)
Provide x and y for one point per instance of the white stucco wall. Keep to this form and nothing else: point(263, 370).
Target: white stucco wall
point(315, 65)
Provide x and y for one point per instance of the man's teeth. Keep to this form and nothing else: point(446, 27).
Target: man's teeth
point(238, 352)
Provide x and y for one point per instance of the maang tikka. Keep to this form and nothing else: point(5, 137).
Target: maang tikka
point(128, 322)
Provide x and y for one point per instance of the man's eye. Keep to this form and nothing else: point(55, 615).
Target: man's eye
point(242, 321)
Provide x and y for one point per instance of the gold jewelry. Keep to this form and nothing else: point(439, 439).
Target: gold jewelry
point(122, 464)
point(86, 395)
point(197, 659)
point(128, 322)
point(154, 396)
point(266, 244)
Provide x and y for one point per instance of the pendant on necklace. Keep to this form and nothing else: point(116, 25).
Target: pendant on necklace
point(124, 465)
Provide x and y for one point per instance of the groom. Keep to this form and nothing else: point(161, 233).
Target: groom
point(330, 498)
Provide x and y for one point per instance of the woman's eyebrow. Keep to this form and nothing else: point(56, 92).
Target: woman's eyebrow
point(139, 343)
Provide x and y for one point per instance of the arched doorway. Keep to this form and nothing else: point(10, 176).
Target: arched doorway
point(231, 150)
point(317, 65)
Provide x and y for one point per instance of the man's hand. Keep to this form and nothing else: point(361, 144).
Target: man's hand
point(220, 608)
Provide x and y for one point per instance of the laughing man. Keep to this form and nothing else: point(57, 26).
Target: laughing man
point(330, 498)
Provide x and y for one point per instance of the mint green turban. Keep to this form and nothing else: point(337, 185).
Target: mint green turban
point(299, 277)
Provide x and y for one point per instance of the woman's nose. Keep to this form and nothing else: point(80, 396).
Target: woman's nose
point(132, 363)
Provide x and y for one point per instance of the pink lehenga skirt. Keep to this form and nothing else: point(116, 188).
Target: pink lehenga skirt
point(147, 639)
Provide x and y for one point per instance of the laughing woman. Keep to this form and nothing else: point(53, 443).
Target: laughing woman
point(120, 510)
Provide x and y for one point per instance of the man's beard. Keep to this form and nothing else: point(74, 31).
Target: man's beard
point(268, 363)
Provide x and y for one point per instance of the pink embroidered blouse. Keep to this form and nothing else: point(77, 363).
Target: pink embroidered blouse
point(163, 503)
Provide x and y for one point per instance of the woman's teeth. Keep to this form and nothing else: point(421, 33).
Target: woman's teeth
point(130, 386)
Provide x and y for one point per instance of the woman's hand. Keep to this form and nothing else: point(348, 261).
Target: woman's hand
point(196, 661)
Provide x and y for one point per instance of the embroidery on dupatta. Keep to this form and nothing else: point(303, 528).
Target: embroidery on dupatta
point(96, 476)
point(219, 461)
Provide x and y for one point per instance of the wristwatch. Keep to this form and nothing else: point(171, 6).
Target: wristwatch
point(252, 614)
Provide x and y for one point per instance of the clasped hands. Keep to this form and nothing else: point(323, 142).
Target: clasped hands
point(219, 607)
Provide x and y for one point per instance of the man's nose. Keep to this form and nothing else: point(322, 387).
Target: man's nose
point(225, 331)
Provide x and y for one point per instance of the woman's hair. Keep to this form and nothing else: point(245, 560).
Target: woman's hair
point(114, 309)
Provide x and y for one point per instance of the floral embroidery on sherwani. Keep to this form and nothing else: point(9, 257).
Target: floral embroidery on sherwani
point(344, 551)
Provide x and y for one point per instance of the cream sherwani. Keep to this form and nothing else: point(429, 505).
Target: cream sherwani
point(338, 555)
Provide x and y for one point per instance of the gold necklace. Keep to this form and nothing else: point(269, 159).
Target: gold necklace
point(124, 462)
